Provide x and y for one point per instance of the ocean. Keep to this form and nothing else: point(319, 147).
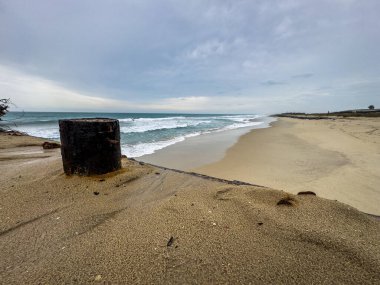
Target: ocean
point(141, 133)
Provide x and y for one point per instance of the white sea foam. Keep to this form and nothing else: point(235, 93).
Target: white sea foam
point(238, 126)
point(151, 119)
point(51, 132)
point(241, 118)
point(149, 148)
point(141, 126)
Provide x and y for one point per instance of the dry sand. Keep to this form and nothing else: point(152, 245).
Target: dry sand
point(11, 141)
point(115, 229)
point(337, 159)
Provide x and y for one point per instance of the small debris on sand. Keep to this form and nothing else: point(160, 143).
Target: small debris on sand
point(307, 193)
point(287, 201)
point(170, 241)
point(50, 145)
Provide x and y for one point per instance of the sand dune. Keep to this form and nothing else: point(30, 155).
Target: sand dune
point(149, 225)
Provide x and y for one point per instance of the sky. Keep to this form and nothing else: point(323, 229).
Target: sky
point(198, 56)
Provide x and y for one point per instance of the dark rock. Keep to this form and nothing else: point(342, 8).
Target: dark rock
point(96, 193)
point(12, 132)
point(50, 145)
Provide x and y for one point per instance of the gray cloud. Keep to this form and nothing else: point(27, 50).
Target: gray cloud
point(147, 52)
point(272, 83)
point(303, 75)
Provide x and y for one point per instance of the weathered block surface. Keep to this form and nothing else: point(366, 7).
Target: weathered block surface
point(90, 146)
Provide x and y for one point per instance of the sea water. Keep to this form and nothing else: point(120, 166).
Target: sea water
point(141, 133)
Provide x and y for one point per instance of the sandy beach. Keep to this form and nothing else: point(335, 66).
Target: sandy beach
point(150, 225)
point(201, 142)
point(337, 159)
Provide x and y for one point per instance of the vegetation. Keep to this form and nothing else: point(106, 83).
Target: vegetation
point(4, 105)
point(370, 112)
point(4, 109)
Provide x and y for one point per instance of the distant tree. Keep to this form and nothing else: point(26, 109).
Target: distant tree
point(4, 105)
point(371, 107)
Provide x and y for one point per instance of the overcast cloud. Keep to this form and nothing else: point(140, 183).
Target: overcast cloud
point(190, 56)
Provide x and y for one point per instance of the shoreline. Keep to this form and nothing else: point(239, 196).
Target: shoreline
point(333, 158)
point(140, 133)
point(197, 151)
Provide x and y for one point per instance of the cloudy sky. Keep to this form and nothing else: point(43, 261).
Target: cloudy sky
point(225, 56)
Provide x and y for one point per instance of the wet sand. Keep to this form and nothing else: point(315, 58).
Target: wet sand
point(150, 225)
